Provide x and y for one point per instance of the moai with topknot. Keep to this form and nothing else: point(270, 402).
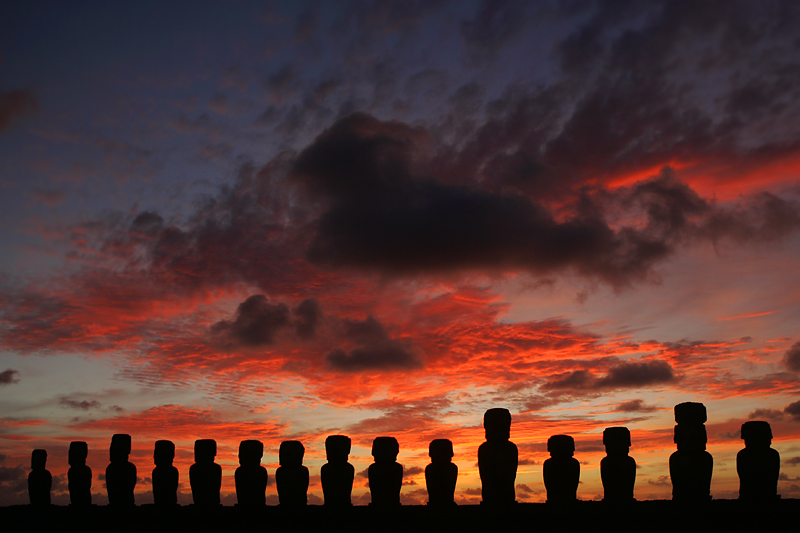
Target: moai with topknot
point(441, 475)
point(79, 476)
point(39, 480)
point(385, 474)
point(562, 472)
point(205, 476)
point(120, 473)
point(337, 474)
point(617, 468)
point(758, 464)
point(165, 475)
point(292, 477)
point(251, 478)
point(497, 459)
point(691, 467)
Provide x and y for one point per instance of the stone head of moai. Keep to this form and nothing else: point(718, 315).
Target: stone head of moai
point(441, 451)
point(337, 448)
point(757, 434)
point(78, 451)
point(690, 437)
point(164, 452)
point(205, 450)
point(497, 423)
point(38, 459)
point(291, 453)
point(120, 448)
point(561, 446)
point(250, 452)
point(385, 449)
point(617, 440)
point(690, 413)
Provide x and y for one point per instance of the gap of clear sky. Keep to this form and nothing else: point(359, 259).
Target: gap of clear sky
point(285, 220)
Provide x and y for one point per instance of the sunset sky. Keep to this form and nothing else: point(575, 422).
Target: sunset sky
point(249, 220)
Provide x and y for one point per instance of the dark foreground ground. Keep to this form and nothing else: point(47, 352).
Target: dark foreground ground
point(644, 516)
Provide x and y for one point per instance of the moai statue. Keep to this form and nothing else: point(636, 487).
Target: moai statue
point(690, 467)
point(79, 476)
point(251, 477)
point(562, 472)
point(385, 474)
point(617, 468)
point(758, 464)
point(292, 477)
point(497, 459)
point(441, 474)
point(337, 474)
point(120, 474)
point(205, 476)
point(39, 480)
point(165, 476)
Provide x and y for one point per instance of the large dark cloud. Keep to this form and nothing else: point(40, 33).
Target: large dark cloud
point(793, 410)
point(81, 405)
point(308, 315)
point(375, 349)
point(14, 104)
point(9, 376)
point(631, 374)
point(256, 323)
point(792, 357)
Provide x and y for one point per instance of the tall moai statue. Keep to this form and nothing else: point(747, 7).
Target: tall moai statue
point(385, 474)
point(562, 472)
point(758, 464)
point(291, 477)
point(441, 475)
point(251, 478)
point(497, 459)
point(39, 480)
point(165, 475)
point(120, 473)
point(337, 474)
point(617, 468)
point(205, 476)
point(690, 467)
point(79, 476)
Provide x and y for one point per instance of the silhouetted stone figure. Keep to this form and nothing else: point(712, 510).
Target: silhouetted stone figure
point(39, 480)
point(205, 476)
point(497, 459)
point(337, 474)
point(165, 476)
point(617, 468)
point(385, 474)
point(441, 474)
point(758, 464)
point(79, 476)
point(691, 466)
point(562, 472)
point(292, 477)
point(120, 474)
point(251, 477)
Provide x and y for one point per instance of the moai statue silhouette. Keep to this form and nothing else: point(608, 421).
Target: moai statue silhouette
point(251, 477)
point(441, 474)
point(758, 464)
point(497, 459)
point(291, 477)
point(165, 475)
point(691, 467)
point(79, 476)
point(120, 473)
point(562, 472)
point(617, 468)
point(385, 474)
point(39, 480)
point(205, 476)
point(337, 474)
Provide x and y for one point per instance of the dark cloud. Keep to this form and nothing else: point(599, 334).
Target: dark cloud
point(793, 461)
point(15, 104)
point(413, 471)
point(768, 414)
point(634, 406)
point(12, 474)
point(793, 410)
point(376, 349)
point(147, 222)
point(256, 323)
point(9, 377)
point(624, 375)
point(792, 357)
point(82, 405)
point(307, 316)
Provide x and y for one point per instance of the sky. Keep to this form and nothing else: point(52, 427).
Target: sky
point(287, 220)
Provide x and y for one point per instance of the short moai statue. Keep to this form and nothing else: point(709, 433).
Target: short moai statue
point(497, 459)
point(251, 478)
point(562, 472)
point(337, 474)
point(39, 480)
point(691, 466)
point(120, 473)
point(617, 468)
point(79, 476)
point(441, 475)
point(385, 474)
point(165, 475)
point(758, 464)
point(291, 477)
point(205, 476)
